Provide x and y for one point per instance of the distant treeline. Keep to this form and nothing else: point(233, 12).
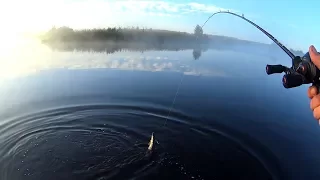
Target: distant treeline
point(142, 39)
point(66, 34)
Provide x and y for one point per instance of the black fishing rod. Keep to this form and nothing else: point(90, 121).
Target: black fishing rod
point(303, 71)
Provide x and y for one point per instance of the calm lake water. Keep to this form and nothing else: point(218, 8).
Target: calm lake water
point(89, 115)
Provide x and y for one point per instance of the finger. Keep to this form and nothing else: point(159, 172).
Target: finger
point(314, 55)
point(316, 113)
point(312, 91)
point(315, 102)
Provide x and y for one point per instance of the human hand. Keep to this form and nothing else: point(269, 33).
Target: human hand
point(313, 92)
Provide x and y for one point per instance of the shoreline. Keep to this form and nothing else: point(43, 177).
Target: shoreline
point(143, 39)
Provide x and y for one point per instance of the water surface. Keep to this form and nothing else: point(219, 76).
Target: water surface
point(89, 115)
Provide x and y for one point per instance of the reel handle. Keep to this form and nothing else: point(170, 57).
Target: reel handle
point(272, 69)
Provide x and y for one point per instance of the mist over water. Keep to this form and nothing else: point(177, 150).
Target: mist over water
point(86, 111)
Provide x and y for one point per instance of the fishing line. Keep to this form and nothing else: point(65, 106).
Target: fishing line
point(174, 100)
point(178, 89)
point(175, 97)
point(286, 50)
point(170, 110)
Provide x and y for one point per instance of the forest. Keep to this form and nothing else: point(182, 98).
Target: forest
point(66, 34)
point(144, 38)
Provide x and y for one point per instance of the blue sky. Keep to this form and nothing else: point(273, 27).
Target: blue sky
point(292, 22)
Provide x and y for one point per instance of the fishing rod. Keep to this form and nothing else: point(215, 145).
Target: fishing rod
point(302, 71)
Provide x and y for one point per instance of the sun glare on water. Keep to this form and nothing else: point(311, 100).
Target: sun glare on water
point(19, 55)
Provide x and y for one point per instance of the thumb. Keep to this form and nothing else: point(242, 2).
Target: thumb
point(314, 55)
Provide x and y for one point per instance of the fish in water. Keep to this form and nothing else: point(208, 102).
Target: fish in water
point(150, 147)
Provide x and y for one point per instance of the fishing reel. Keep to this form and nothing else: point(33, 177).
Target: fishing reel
point(303, 71)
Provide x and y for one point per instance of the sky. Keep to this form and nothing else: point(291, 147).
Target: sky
point(294, 23)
